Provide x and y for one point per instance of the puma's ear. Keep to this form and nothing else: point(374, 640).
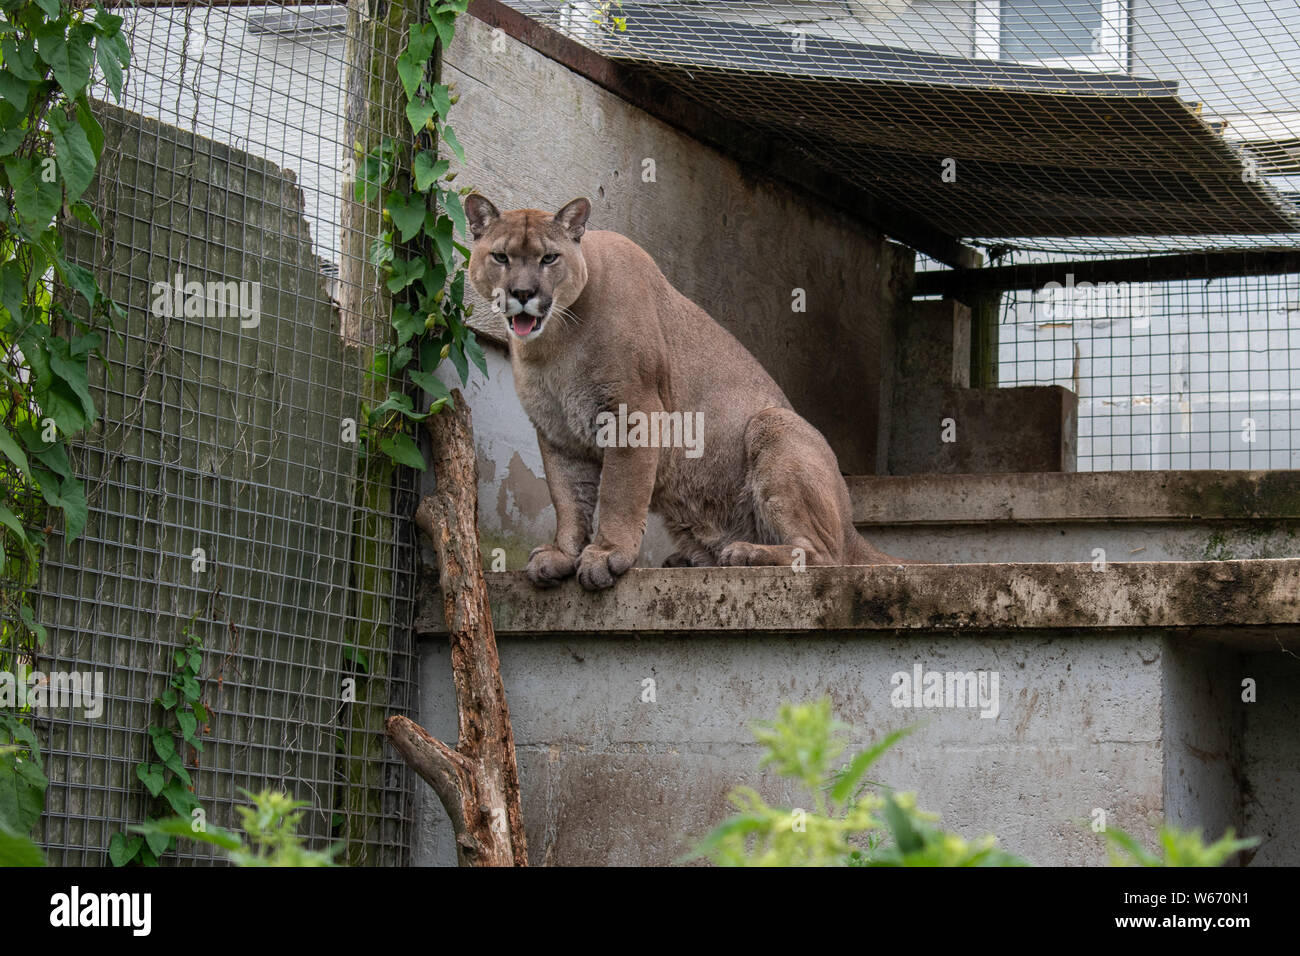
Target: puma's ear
point(480, 214)
point(573, 217)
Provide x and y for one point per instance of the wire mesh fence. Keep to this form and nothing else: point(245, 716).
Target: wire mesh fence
point(229, 498)
point(1065, 131)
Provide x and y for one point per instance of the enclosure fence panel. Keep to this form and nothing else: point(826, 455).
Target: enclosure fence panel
point(1068, 131)
point(228, 497)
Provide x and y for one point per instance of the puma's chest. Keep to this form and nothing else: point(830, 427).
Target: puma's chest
point(561, 406)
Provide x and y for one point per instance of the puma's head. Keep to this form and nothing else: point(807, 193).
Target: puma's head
point(528, 263)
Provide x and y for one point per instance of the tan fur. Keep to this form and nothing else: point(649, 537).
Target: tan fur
point(616, 332)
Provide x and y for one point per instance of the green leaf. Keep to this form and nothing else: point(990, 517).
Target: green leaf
point(403, 450)
point(411, 72)
point(431, 384)
point(163, 743)
point(121, 850)
point(14, 452)
point(182, 827)
point(90, 126)
point(17, 849)
point(449, 135)
point(87, 215)
point(200, 711)
point(35, 199)
point(51, 8)
point(847, 780)
point(451, 203)
point(458, 359)
point(381, 250)
point(106, 54)
point(73, 153)
point(418, 113)
point(29, 619)
point(69, 56)
point(439, 230)
point(80, 278)
point(475, 352)
point(421, 42)
point(441, 97)
point(906, 837)
point(444, 22)
point(158, 843)
point(189, 723)
point(19, 57)
point(407, 323)
point(176, 765)
point(407, 212)
point(397, 402)
point(181, 800)
point(75, 509)
point(405, 271)
point(168, 699)
point(428, 169)
point(15, 90)
point(151, 775)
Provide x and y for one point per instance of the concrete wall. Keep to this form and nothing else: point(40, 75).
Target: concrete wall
point(1118, 691)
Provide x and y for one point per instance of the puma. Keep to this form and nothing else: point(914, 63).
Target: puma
point(596, 331)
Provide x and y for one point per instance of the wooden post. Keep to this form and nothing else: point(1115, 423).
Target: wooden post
point(478, 782)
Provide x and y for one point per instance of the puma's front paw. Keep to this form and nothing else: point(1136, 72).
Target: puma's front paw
point(548, 566)
point(600, 567)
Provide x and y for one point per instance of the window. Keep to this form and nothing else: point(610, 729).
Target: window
point(1076, 34)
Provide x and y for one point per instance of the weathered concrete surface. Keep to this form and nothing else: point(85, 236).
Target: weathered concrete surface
point(1271, 754)
point(747, 249)
point(1238, 602)
point(1130, 516)
point(939, 425)
point(1080, 496)
point(612, 778)
point(1118, 691)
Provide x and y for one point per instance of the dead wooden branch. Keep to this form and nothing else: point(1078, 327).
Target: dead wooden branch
point(478, 781)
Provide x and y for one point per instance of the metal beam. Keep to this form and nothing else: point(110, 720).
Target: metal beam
point(970, 283)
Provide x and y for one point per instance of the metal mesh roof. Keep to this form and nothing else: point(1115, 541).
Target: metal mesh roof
point(1080, 126)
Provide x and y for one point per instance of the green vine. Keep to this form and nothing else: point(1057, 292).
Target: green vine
point(416, 253)
point(51, 54)
point(163, 771)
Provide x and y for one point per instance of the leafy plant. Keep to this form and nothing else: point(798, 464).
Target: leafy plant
point(417, 251)
point(271, 825)
point(50, 143)
point(803, 744)
point(1178, 848)
point(163, 771)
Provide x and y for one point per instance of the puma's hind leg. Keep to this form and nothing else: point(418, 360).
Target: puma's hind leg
point(801, 504)
point(795, 484)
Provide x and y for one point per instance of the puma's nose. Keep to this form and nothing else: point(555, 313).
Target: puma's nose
point(523, 295)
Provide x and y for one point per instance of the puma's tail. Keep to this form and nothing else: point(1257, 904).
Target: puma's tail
point(861, 551)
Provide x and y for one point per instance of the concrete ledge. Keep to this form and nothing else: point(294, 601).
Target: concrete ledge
point(1057, 498)
point(1246, 604)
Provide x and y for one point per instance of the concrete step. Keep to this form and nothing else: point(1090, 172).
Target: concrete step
point(1060, 516)
point(1144, 691)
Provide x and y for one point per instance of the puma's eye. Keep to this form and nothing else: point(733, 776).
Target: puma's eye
point(500, 257)
point(549, 258)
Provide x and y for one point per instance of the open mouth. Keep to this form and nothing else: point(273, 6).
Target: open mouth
point(523, 323)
